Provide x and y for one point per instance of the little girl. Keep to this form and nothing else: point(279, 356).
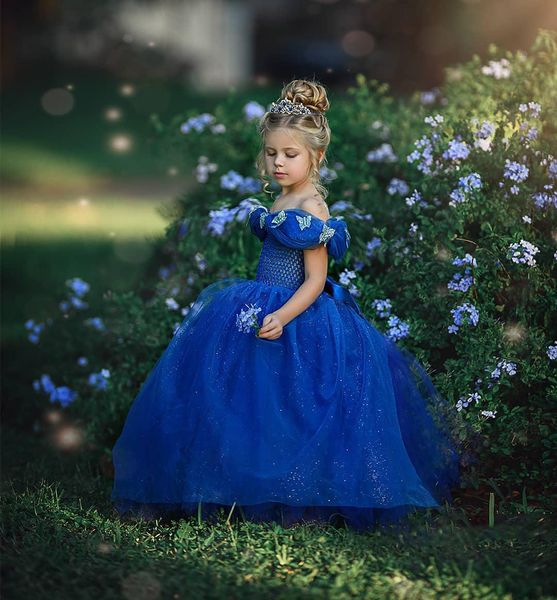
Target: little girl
point(276, 398)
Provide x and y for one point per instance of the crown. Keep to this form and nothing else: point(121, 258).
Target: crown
point(288, 107)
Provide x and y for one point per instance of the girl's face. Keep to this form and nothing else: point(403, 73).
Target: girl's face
point(287, 161)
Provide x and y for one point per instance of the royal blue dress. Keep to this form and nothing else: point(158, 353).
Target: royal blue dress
point(331, 420)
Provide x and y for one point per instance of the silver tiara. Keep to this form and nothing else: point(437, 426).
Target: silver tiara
point(288, 107)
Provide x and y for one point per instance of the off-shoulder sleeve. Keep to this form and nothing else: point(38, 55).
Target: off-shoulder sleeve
point(297, 228)
point(256, 220)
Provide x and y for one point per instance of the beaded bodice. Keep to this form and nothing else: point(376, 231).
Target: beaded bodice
point(280, 265)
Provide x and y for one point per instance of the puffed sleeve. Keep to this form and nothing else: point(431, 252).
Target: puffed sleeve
point(256, 221)
point(297, 228)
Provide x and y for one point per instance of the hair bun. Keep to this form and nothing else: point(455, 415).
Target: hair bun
point(310, 93)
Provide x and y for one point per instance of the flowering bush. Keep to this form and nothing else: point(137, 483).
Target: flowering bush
point(451, 201)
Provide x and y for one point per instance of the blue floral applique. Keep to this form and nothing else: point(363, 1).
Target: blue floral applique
point(280, 218)
point(303, 222)
point(262, 218)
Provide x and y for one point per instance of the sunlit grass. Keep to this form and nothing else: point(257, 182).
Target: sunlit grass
point(106, 216)
point(30, 163)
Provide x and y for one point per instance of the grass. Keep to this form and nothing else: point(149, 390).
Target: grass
point(62, 539)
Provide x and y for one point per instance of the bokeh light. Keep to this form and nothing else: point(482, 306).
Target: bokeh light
point(358, 43)
point(126, 89)
point(112, 113)
point(68, 437)
point(57, 101)
point(121, 143)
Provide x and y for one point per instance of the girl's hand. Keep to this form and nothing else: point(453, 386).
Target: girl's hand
point(272, 327)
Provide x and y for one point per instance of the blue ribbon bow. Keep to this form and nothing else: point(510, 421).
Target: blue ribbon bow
point(339, 292)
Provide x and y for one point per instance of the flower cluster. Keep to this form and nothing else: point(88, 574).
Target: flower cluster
point(552, 351)
point(415, 198)
point(397, 186)
point(99, 380)
point(382, 307)
point(435, 120)
point(79, 289)
point(345, 279)
point(462, 282)
point(384, 153)
point(244, 185)
point(457, 150)
point(95, 322)
point(516, 172)
point(397, 329)
point(430, 96)
point(466, 184)
point(464, 314)
point(533, 108)
point(327, 174)
point(523, 253)
point(483, 135)
point(35, 329)
point(200, 122)
point(221, 216)
point(374, 243)
point(503, 366)
point(246, 320)
point(424, 153)
point(253, 111)
point(465, 401)
point(499, 69)
point(62, 394)
point(203, 168)
point(545, 199)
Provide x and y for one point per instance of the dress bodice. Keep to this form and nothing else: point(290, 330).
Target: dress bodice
point(280, 265)
point(285, 235)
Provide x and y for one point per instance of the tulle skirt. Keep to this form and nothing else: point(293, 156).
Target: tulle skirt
point(332, 422)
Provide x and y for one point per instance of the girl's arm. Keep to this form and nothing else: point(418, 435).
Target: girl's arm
point(315, 265)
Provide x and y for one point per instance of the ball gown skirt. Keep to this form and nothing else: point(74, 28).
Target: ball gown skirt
point(330, 420)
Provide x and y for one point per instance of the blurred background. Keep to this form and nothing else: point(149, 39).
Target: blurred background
point(82, 188)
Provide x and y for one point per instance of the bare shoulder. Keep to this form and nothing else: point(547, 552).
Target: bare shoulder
point(316, 206)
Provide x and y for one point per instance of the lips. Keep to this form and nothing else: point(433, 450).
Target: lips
point(279, 173)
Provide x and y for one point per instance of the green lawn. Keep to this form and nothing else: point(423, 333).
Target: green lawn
point(63, 540)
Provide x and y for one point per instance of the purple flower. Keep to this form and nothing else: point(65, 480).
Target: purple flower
point(375, 242)
point(246, 320)
point(197, 123)
point(515, 171)
point(96, 323)
point(464, 401)
point(253, 110)
point(397, 329)
point(457, 150)
point(523, 253)
point(219, 218)
point(99, 380)
point(465, 314)
point(397, 186)
point(63, 394)
point(384, 153)
point(78, 286)
point(382, 307)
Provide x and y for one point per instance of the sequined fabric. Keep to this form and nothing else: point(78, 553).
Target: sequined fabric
point(329, 421)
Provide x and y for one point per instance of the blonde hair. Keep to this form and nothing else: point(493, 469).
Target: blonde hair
point(313, 129)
